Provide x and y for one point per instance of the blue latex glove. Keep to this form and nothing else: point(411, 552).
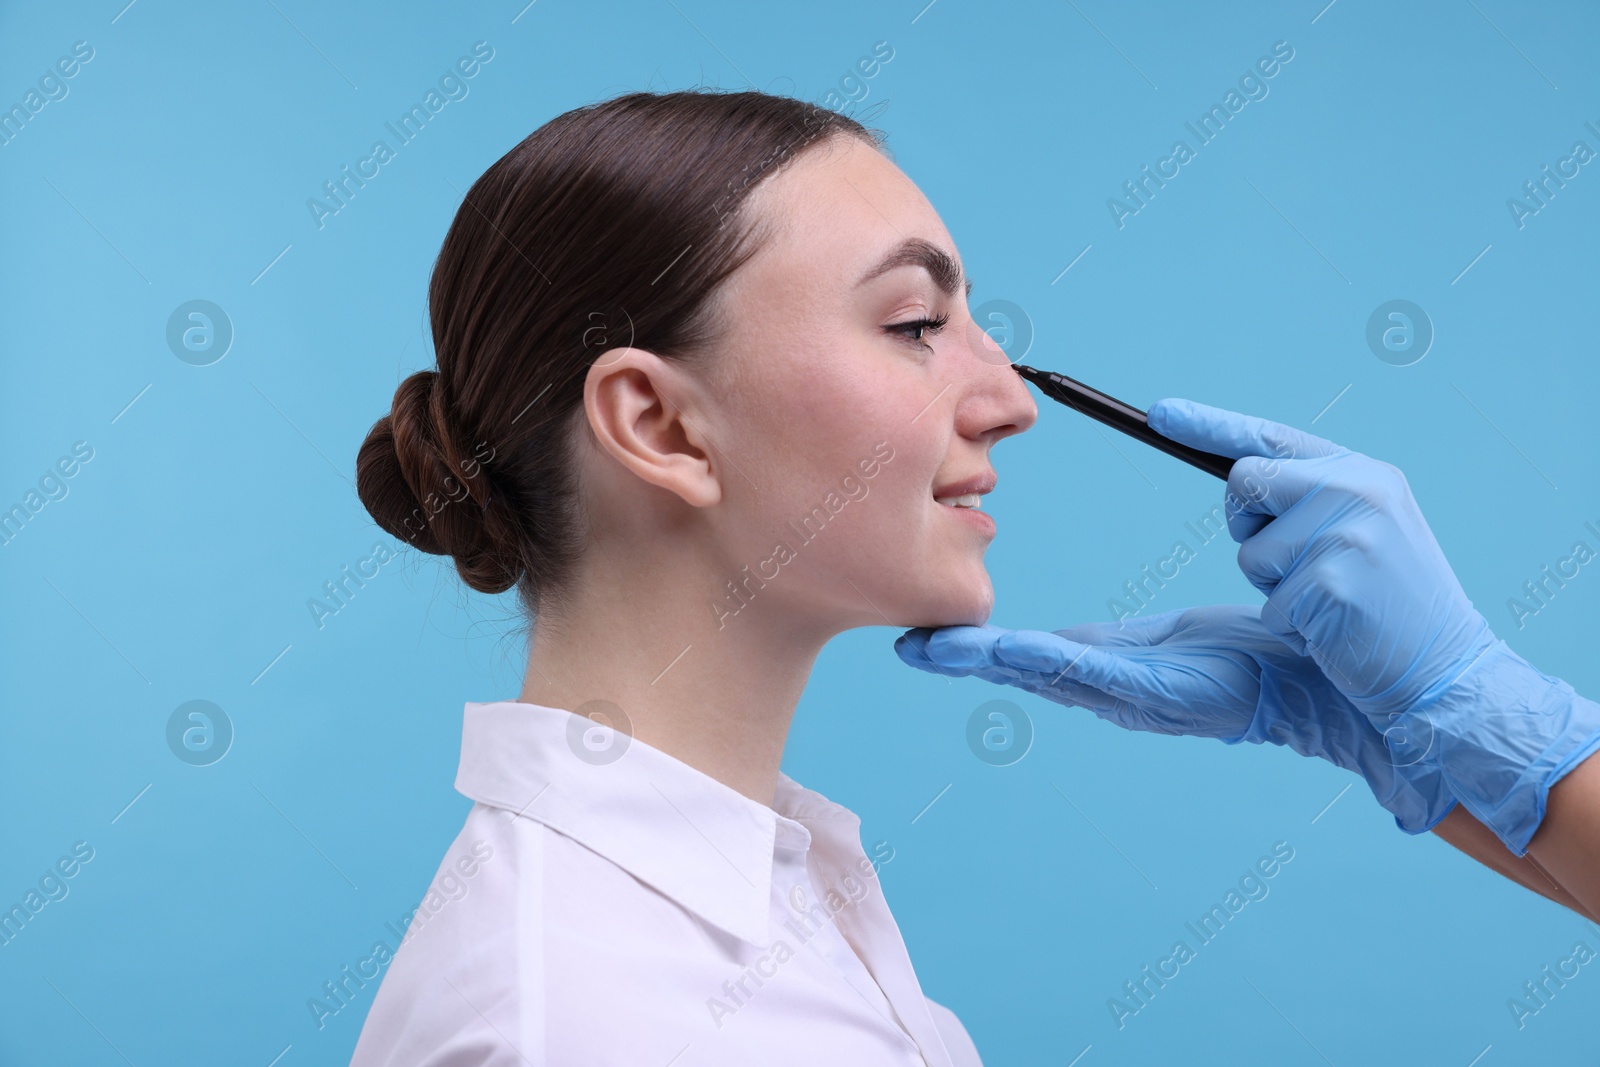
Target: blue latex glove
point(1206, 672)
point(1354, 578)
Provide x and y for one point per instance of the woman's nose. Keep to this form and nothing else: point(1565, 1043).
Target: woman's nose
point(997, 403)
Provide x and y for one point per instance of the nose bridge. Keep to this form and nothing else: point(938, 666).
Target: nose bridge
point(994, 399)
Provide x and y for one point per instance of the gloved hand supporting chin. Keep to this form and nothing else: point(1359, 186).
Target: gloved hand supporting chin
point(1206, 672)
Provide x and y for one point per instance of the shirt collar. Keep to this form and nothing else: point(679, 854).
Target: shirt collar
point(697, 841)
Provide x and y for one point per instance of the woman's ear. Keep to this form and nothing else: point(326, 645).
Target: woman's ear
point(634, 401)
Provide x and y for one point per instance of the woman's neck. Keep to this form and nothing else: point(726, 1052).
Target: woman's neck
point(713, 689)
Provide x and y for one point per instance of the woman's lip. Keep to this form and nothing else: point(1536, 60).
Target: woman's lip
point(978, 483)
point(978, 520)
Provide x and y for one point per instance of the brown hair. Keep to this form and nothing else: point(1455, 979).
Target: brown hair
point(606, 227)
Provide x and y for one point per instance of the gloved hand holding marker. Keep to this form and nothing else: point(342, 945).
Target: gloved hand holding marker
point(1366, 653)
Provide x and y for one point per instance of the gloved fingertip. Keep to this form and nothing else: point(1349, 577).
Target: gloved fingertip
point(912, 648)
point(1165, 411)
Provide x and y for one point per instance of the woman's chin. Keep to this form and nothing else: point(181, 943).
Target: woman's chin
point(967, 603)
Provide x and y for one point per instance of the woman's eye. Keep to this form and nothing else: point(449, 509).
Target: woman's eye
point(914, 329)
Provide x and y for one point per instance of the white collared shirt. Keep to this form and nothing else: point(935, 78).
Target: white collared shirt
point(607, 904)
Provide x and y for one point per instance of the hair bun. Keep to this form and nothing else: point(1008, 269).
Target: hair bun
point(406, 477)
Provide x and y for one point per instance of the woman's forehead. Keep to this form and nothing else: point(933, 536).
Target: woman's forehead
point(836, 212)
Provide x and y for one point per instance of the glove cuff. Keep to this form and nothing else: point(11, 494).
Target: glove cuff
point(1501, 736)
point(1426, 818)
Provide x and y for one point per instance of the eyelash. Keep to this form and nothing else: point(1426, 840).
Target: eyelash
point(930, 325)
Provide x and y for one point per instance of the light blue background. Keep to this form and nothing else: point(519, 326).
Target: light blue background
point(179, 565)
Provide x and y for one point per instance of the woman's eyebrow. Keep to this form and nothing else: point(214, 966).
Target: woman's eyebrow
point(916, 252)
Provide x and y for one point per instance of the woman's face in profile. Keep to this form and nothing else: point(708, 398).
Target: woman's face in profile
point(842, 418)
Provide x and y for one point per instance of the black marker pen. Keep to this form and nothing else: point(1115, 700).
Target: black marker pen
point(1119, 416)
